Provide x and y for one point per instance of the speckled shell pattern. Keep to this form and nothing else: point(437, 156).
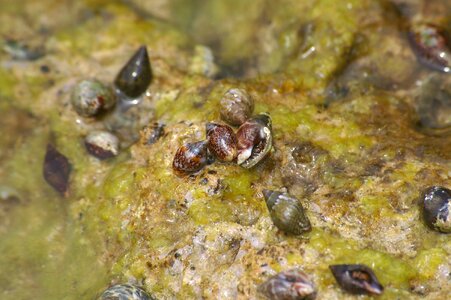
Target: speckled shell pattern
point(191, 157)
point(125, 292)
point(286, 212)
point(222, 141)
point(288, 285)
point(357, 279)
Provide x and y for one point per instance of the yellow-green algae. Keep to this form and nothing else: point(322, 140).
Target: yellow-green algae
point(128, 216)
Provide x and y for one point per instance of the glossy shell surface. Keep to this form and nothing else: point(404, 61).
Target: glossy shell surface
point(125, 292)
point(135, 77)
point(437, 208)
point(91, 97)
point(357, 279)
point(222, 141)
point(254, 139)
point(286, 212)
point(236, 106)
point(288, 285)
point(190, 158)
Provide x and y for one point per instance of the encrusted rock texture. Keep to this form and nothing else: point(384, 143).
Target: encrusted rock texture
point(358, 135)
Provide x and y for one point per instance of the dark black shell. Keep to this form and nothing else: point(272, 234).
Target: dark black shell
point(135, 77)
point(288, 285)
point(431, 46)
point(254, 140)
point(56, 169)
point(287, 212)
point(436, 208)
point(356, 279)
point(222, 141)
point(190, 158)
point(125, 292)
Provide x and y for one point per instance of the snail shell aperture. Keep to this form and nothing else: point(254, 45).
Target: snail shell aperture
point(288, 285)
point(356, 279)
point(254, 140)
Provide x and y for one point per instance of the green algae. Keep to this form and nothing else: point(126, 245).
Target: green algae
point(119, 185)
point(427, 262)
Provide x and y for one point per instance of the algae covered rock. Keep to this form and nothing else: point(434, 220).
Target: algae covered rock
point(359, 130)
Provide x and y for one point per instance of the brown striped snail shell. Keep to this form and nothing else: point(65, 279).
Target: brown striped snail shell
point(221, 141)
point(430, 44)
point(254, 139)
point(191, 157)
point(236, 106)
point(288, 285)
point(356, 279)
point(286, 212)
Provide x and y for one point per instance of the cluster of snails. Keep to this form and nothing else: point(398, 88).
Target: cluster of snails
point(248, 146)
point(294, 284)
point(91, 98)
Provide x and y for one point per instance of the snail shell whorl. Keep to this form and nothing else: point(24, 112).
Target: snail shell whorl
point(286, 212)
point(222, 141)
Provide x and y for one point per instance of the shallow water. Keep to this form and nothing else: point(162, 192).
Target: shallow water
point(46, 253)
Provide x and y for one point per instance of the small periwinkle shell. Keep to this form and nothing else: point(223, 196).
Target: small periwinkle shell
point(134, 78)
point(125, 292)
point(221, 141)
point(254, 140)
point(236, 106)
point(288, 285)
point(91, 97)
point(190, 158)
point(56, 169)
point(102, 144)
point(356, 279)
point(437, 208)
point(431, 47)
point(286, 212)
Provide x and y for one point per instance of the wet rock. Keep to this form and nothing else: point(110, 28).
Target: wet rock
point(434, 103)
